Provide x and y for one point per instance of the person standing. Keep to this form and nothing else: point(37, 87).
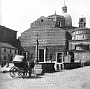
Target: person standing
point(31, 66)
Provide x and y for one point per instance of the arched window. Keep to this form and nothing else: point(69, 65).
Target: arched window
point(59, 23)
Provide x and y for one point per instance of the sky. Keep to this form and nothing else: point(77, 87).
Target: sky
point(19, 14)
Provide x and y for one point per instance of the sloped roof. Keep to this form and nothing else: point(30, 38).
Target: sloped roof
point(55, 15)
point(5, 28)
point(43, 22)
point(80, 29)
point(6, 45)
point(74, 50)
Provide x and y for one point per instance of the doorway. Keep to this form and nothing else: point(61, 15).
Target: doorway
point(59, 57)
point(72, 56)
point(41, 55)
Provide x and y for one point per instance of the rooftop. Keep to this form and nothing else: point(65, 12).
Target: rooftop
point(6, 45)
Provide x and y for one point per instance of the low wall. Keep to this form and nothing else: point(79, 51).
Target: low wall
point(87, 63)
point(48, 67)
point(72, 65)
point(43, 68)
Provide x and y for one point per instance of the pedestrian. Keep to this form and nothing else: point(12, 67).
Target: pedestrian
point(82, 63)
point(31, 66)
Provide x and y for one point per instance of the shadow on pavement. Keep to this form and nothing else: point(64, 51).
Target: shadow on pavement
point(33, 77)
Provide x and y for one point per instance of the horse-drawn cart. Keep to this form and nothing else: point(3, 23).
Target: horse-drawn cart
point(21, 67)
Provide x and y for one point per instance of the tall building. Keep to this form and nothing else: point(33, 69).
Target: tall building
point(50, 36)
point(54, 39)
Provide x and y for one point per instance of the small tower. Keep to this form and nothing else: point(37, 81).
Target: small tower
point(82, 22)
point(64, 8)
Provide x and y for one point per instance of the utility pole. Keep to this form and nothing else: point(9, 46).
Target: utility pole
point(37, 46)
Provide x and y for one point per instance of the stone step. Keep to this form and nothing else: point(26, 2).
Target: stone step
point(38, 66)
point(38, 69)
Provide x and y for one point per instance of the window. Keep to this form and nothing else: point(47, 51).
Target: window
point(11, 58)
point(59, 57)
point(4, 57)
point(81, 20)
point(5, 50)
point(10, 50)
point(41, 55)
point(41, 20)
point(31, 56)
point(82, 47)
point(60, 24)
point(15, 51)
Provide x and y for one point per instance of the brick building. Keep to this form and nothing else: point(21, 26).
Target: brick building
point(8, 35)
point(7, 52)
point(8, 44)
point(52, 38)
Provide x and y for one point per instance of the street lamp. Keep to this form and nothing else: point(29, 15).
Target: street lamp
point(37, 46)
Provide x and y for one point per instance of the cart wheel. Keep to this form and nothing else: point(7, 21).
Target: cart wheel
point(22, 73)
point(13, 72)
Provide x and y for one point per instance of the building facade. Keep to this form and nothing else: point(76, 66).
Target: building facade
point(51, 37)
point(80, 43)
point(8, 44)
point(7, 52)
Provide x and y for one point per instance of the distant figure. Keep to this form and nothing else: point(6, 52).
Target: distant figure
point(31, 66)
point(82, 63)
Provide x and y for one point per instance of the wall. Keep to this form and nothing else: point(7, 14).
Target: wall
point(48, 34)
point(82, 56)
point(51, 38)
point(81, 34)
point(8, 35)
point(50, 50)
point(73, 43)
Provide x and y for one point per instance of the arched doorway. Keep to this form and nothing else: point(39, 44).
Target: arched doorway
point(72, 56)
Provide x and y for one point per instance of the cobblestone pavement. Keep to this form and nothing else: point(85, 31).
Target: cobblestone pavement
point(67, 79)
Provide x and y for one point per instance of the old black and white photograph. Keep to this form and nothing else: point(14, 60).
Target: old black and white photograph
point(44, 44)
